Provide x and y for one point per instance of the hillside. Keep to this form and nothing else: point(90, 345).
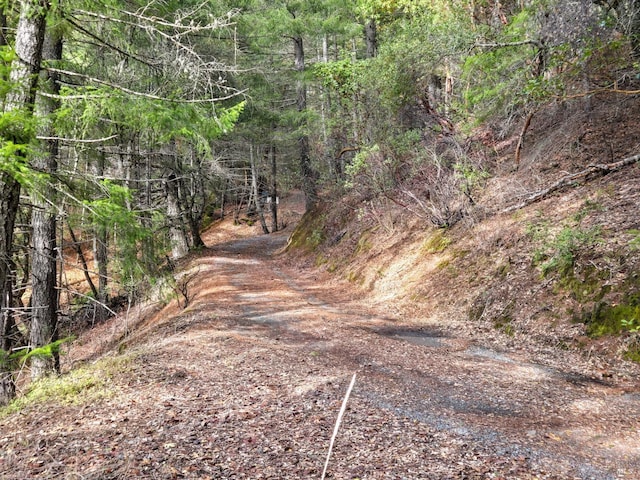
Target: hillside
point(558, 274)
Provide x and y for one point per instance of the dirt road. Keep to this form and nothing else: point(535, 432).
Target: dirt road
point(247, 381)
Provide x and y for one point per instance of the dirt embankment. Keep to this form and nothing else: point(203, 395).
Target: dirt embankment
point(558, 274)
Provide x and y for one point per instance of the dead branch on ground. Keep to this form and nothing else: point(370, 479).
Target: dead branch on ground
point(601, 169)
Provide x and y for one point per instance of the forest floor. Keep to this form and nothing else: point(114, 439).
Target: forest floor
point(248, 379)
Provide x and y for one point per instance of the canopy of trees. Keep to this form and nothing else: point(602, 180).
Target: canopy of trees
point(127, 125)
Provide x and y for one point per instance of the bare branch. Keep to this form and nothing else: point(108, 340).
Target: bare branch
point(79, 140)
point(142, 94)
point(152, 25)
point(534, 43)
point(602, 169)
point(598, 91)
point(109, 45)
point(70, 97)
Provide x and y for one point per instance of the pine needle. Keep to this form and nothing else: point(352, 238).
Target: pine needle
point(337, 427)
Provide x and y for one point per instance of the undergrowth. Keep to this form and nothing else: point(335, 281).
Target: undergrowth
point(80, 386)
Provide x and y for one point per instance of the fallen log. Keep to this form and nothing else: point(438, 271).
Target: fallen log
point(571, 179)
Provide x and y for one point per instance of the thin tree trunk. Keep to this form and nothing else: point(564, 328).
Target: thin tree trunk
point(44, 296)
point(308, 175)
point(9, 200)
point(85, 267)
point(223, 198)
point(100, 253)
point(256, 191)
point(195, 204)
point(274, 188)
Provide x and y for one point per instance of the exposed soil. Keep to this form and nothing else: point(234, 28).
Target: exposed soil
point(247, 381)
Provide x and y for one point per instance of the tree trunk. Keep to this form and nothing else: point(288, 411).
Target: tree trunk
point(100, 242)
point(256, 191)
point(274, 188)
point(3, 28)
point(308, 175)
point(196, 202)
point(9, 200)
point(194, 219)
point(371, 37)
point(44, 296)
point(179, 245)
point(24, 70)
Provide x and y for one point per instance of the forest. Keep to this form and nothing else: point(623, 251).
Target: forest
point(128, 127)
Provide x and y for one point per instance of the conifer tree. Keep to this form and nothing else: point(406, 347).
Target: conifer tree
point(16, 133)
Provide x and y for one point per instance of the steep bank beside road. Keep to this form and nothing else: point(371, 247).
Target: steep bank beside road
point(560, 273)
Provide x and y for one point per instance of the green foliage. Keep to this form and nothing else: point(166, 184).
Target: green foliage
point(437, 242)
point(340, 76)
point(634, 243)
point(561, 249)
point(17, 127)
point(309, 232)
point(111, 212)
point(13, 162)
point(471, 176)
point(359, 164)
point(14, 360)
point(633, 352)
point(80, 386)
point(7, 55)
point(631, 325)
point(372, 171)
point(17, 132)
point(557, 251)
point(497, 80)
point(606, 319)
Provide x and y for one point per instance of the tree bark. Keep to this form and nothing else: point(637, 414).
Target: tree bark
point(21, 97)
point(9, 200)
point(525, 127)
point(179, 245)
point(85, 268)
point(256, 191)
point(44, 296)
point(100, 252)
point(195, 204)
point(309, 186)
point(371, 38)
point(274, 188)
